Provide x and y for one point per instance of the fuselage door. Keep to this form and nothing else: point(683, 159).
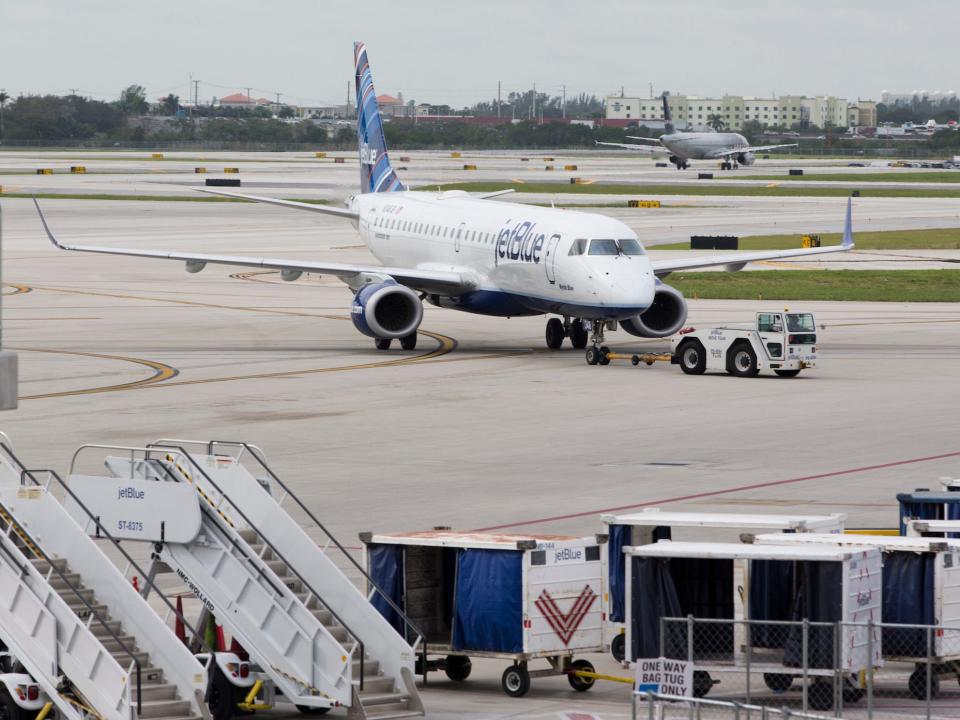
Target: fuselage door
point(461, 229)
point(550, 258)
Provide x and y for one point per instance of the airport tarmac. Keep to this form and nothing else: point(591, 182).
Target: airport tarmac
point(481, 426)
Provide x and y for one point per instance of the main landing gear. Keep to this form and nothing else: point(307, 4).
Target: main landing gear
point(729, 165)
point(597, 353)
point(558, 329)
point(407, 342)
point(680, 163)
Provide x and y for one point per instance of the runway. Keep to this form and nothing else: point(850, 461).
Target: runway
point(480, 426)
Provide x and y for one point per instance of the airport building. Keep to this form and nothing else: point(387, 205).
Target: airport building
point(792, 111)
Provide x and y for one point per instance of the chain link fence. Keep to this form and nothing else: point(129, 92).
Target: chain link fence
point(850, 670)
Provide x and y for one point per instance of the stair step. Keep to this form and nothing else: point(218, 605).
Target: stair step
point(73, 598)
point(63, 583)
point(82, 612)
point(338, 632)
point(324, 616)
point(249, 535)
point(379, 683)
point(392, 712)
point(113, 645)
point(42, 565)
point(123, 659)
point(368, 699)
point(371, 668)
point(155, 691)
point(100, 629)
point(164, 708)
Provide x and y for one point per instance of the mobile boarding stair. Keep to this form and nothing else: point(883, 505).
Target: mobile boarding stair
point(311, 634)
point(70, 617)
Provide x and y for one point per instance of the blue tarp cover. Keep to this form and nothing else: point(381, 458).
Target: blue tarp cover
point(928, 505)
point(386, 569)
point(908, 598)
point(488, 610)
point(619, 538)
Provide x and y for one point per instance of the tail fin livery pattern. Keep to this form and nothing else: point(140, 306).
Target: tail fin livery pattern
point(376, 173)
point(667, 116)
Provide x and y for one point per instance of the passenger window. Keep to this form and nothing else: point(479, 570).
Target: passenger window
point(578, 247)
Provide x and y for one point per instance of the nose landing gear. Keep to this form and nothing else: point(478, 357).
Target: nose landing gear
point(597, 353)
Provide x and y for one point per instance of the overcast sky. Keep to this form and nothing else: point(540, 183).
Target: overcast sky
point(457, 51)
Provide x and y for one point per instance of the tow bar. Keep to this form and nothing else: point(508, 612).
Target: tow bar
point(636, 359)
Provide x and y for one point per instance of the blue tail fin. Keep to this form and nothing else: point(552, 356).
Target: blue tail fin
point(376, 173)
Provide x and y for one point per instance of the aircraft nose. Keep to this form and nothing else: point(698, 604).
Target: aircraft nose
point(634, 283)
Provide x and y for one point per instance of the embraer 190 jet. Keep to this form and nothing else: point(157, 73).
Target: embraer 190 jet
point(731, 149)
point(475, 254)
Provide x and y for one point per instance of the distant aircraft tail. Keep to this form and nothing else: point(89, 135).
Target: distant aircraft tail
point(667, 116)
point(376, 173)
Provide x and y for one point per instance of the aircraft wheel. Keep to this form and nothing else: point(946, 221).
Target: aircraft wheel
point(578, 335)
point(409, 342)
point(555, 333)
point(593, 355)
point(382, 343)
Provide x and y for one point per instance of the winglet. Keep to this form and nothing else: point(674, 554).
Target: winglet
point(43, 220)
point(847, 243)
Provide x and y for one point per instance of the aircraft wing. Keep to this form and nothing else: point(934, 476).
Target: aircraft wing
point(736, 260)
point(324, 209)
point(752, 148)
point(437, 281)
point(649, 149)
point(648, 140)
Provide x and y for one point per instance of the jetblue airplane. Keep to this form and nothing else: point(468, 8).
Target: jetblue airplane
point(732, 149)
point(476, 254)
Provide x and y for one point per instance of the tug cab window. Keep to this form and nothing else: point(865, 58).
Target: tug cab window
point(579, 247)
point(769, 322)
point(800, 322)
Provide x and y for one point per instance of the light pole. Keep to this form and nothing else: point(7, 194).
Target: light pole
point(8, 360)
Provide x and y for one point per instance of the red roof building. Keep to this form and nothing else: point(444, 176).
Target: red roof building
point(241, 100)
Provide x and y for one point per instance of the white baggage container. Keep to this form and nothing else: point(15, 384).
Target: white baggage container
point(712, 582)
point(516, 597)
point(653, 524)
point(921, 586)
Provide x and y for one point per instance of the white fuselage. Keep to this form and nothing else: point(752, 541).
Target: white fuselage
point(516, 256)
point(702, 146)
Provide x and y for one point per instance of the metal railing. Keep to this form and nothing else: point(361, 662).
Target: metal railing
point(257, 454)
point(102, 532)
point(656, 706)
point(174, 452)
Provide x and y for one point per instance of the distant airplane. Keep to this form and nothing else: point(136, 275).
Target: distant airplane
point(730, 148)
point(481, 256)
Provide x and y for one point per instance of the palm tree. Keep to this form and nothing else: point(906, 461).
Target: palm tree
point(716, 122)
point(3, 101)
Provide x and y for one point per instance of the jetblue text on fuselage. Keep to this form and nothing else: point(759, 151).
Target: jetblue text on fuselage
point(521, 243)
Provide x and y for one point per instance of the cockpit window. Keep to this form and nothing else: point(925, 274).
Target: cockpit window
point(625, 246)
point(629, 246)
point(604, 246)
point(579, 247)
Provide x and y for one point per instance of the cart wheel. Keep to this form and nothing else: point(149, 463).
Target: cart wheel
point(702, 682)
point(820, 695)
point(787, 373)
point(581, 684)
point(918, 683)
point(635, 360)
point(618, 648)
point(515, 680)
point(852, 693)
point(223, 697)
point(778, 682)
point(604, 355)
point(312, 710)
point(457, 667)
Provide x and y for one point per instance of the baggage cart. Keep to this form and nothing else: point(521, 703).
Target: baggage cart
point(653, 524)
point(749, 608)
point(921, 587)
point(515, 597)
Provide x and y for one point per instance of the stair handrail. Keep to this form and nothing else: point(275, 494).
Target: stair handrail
point(358, 642)
point(104, 533)
point(258, 455)
point(36, 548)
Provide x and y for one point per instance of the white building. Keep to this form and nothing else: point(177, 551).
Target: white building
point(692, 111)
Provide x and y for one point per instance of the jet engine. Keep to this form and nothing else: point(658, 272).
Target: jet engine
point(386, 310)
point(663, 318)
point(747, 158)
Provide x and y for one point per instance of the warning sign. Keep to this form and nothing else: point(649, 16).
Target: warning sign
point(664, 676)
